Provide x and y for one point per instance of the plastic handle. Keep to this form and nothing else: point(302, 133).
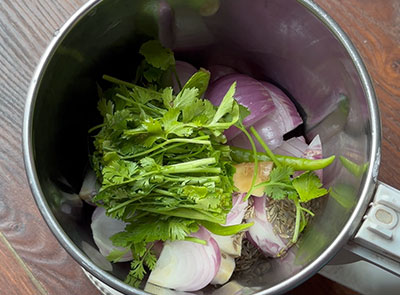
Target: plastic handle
point(378, 239)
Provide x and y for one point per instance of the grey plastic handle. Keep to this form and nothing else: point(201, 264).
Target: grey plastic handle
point(378, 239)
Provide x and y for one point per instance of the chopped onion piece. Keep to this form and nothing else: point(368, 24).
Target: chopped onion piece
point(314, 151)
point(225, 270)
point(272, 113)
point(285, 108)
point(235, 216)
point(249, 93)
point(90, 187)
point(232, 245)
point(104, 227)
point(187, 266)
point(294, 147)
point(262, 234)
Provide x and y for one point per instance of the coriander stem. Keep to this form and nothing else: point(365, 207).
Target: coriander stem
point(268, 183)
point(130, 85)
point(188, 165)
point(308, 211)
point(264, 145)
point(213, 170)
point(253, 146)
point(166, 149)
point(197, 140)
point(191, 155)
point(194, 179)
point(119, 206)
point(195, 240)
point(297, 226)
point(139, 104)
point(164, 192)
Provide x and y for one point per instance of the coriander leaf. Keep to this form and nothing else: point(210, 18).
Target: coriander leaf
point(167, 97)
point(156, 55)
point(281, 174)
point(226, 104)
point(186, 97)
point(199, 80)
point(195, 193)
point(279, 185)
point(118, 172)
point(153, 74)
point(275, 192)
point(171, 124)
point(116, 255)
point(243, 113)
point(105, 107)
point(308, 186)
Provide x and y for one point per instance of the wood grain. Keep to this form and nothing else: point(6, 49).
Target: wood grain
point(27, 26)
point(15, 274)
point(374, 28)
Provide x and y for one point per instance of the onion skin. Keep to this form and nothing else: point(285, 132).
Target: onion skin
point(219, 71)
point(314, 152)
point(272, 113)
point(262, 234)
point(187, 266)
point(104, 227)
point(90, 187)
point(293, 147)
point(249, 93)
point(225, 270)
point(232, 245)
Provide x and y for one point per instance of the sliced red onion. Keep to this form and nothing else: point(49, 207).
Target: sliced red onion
point(104, 227)
point(187, 266)
point(273, 114)
point(225, 270)
point(235, 216)
point(219, 71)
point(262, 233)
point(90, 187)
point(269, 130)
point(294, 147)
point(249, 93)
point(184, 71)
point(286, 109)
point(314, 152)
point(232, 245)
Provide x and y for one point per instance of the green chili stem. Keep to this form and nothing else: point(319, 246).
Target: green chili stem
point(264, 145)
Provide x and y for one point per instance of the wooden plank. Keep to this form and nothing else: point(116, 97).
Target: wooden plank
point(16, 277)
point(374, 28)
point(26, 28)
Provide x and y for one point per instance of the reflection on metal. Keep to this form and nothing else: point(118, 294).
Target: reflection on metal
point(355, 169)
point(363, 277)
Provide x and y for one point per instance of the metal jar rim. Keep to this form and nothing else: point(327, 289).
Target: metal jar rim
point(308, 271)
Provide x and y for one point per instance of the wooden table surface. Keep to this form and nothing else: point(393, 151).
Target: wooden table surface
point(31, 260)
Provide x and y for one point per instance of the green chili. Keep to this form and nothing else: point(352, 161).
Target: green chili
point(240, 155)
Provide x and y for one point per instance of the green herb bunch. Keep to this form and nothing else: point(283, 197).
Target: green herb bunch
point(162, 159)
